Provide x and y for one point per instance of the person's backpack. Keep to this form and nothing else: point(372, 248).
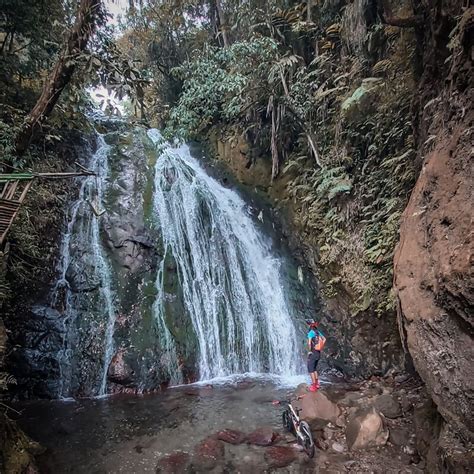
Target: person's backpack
point(318, 342)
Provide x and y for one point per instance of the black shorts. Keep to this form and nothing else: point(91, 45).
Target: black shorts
point(313, 360)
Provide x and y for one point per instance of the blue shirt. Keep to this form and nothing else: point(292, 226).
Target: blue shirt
point(312, 333)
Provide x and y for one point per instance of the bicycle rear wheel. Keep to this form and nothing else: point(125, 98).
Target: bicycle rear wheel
point(307, 439)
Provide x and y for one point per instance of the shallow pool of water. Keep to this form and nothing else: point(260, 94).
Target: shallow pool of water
point(129, 434)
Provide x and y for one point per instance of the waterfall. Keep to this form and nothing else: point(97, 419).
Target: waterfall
point(231, 279)
point(177, 281)
point(82, 237)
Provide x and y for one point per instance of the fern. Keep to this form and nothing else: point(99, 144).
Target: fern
point(341, 187)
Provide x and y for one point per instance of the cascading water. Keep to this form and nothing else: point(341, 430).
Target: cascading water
point(81, 238)
point(230, 278)
point(176, 282)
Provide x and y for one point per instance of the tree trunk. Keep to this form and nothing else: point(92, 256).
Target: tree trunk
point(86, 19)
point(222, 23)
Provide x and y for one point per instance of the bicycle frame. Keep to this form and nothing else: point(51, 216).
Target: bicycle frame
point(295, 418)
point(300, 428)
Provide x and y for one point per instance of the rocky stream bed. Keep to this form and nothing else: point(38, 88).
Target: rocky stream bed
point(374, 426)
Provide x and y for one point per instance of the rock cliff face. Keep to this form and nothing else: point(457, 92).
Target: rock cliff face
point(59, 331)
point(94, 326)
point(434, 280)
point(433, 265)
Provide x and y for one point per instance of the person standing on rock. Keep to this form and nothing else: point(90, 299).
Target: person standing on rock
point(316, 342)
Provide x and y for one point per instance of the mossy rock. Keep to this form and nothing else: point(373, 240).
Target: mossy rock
point(363, 101)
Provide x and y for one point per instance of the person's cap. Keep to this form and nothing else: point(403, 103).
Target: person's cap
point(311, 322)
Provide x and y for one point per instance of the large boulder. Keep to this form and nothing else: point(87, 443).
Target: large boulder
point(317, 406)
point(366, 428)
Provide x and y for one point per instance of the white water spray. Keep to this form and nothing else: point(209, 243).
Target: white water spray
point(229, 275)
point(83, 230)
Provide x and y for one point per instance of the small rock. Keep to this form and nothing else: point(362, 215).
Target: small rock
point(280, 456)
point(338, 447)
point(399, 436)
point(388, 406)
point(328, 434)
point(366, 429)
point(231, 436)
point(262, 437)
point(177, 461)
point(321, 444)
point(207, 453)
point(409, 450)
point(406, 404)
point(402, 378)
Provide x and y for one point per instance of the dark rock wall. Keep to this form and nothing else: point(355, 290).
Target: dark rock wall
point(59, 343)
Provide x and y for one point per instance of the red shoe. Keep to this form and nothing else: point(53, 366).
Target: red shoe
point(313, 387)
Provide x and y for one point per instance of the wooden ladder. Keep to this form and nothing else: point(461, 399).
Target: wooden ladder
point(12, 196)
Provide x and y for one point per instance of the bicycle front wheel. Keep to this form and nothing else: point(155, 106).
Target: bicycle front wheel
point(307, 439)
point(287, 423)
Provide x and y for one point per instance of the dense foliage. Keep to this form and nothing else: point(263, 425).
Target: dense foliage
point(289, 81)
point(287, 77)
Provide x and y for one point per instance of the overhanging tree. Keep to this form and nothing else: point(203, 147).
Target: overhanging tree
point(89, 14)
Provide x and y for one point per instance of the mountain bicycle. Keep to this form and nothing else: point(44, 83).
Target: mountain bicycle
point(299, 428)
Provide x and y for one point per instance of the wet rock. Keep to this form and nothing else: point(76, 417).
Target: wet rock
point(177, 461)
point(208, 453)
point(280, 456)
point(81, 275)
point(388, 406)
point(366, 429)
point(119, 371)
point(399, 436)
point(231, 436)
point(262, 437)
